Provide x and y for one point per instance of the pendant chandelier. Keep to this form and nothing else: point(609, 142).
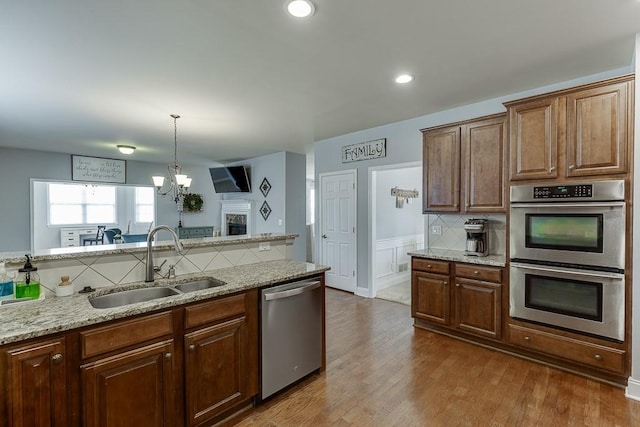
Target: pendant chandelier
point(178, 183)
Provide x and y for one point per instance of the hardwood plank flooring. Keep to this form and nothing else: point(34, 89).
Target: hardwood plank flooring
point(381, 371)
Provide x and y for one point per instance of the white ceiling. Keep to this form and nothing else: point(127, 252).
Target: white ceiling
point(80, 76)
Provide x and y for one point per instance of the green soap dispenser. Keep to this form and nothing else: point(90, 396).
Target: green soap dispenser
point(28, 282)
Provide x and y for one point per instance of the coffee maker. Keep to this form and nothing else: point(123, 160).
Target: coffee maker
point(477, 237)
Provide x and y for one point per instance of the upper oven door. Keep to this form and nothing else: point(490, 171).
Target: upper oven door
point(591, 234)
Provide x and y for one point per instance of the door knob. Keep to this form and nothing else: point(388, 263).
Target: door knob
point(324, 236)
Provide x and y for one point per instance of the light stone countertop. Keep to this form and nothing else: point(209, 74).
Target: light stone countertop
point(21, 321)
point(459, 256)
point(17, 257)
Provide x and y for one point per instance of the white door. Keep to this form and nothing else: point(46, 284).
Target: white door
point(338, 229)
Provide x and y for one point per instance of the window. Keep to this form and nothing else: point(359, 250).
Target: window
point(145, 204)
point(81, 204)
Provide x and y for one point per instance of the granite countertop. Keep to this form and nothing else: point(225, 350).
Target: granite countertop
point(21, 321)
point(459, 256)
point(17, 257)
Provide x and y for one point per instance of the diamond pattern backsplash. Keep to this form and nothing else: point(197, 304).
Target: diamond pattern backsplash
point(110, 270)
point(454, 237)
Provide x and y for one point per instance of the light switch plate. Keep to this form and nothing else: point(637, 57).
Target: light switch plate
point(436, 230)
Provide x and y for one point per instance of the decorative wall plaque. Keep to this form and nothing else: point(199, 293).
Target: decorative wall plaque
point(97, 169)
point(265, 210)
point(265, 187)
point(364, 151)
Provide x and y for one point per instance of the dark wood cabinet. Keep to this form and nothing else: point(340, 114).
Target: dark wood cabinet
point(430, 297)
point(473, 305)
point(35, 389)
point(464, 166)
point(478, 307)
point(597, 130)
point(441, 170)
point(133, 388)
point(578, 132)
point(220, 357)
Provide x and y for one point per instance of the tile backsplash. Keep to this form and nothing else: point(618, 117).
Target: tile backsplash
point(123, 268)
point(453, 236)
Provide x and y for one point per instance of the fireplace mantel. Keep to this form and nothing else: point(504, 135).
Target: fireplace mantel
point(235, 207)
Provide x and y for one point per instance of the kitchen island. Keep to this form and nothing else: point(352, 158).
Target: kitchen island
point(191, 358)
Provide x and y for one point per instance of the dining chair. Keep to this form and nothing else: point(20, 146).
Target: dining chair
point(99, 239)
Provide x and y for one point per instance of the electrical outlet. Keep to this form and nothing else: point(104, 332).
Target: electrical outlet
point(264, 246)
point(436, 230)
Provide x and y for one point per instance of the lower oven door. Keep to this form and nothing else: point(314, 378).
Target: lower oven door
point(585, 301)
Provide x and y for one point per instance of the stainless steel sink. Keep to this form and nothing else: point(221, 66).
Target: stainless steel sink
point(132, 296)
point(199, 285)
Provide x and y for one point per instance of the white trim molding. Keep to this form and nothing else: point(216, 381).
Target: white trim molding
point(633, 389)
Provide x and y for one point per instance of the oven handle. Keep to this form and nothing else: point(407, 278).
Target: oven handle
point(587, 273)
point(569, 205)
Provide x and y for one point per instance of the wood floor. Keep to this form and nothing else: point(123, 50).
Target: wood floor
point(383, 372)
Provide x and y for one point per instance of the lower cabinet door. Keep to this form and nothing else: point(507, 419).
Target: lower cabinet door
point(430, 297)
point(36, 385)
point(215, 369)
point(478, 309)
point(135, 388)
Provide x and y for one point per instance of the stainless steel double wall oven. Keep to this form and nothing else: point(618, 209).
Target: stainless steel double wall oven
point(567, 250)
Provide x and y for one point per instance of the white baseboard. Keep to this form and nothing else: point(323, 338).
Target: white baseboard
point(392, 280)
point(362, 292)
point(633, 389)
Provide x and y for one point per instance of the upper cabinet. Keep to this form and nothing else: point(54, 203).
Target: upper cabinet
point(583, 131)
point(464, 166)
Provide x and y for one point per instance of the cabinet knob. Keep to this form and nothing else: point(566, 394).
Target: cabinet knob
point(598, 357)
point(571, 167)
point(476, 272)
point(192, 347)
point(428, 265)
point(527, 339)
point(168, 356)
point(56, 357)
point(457, 285)
point(552, 168)
point(444, 282)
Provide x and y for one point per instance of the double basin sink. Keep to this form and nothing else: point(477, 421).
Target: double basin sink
point(132, 296)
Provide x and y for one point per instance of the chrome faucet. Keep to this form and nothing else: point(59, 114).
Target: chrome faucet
point(150, 271)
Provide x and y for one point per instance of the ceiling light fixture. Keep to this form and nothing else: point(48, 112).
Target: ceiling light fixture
point(126, 149)
point(179, 183)
point(404, 78)
point(300, 8)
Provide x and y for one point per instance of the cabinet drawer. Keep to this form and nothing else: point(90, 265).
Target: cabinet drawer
point(212, 311)
point(488, 274)
point(429, 265)
point(590, 354)
point(122, 334)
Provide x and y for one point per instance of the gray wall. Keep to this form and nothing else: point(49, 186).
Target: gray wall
point(17, 167)
point(404, 145)
point(398, 222)
point(286, 172)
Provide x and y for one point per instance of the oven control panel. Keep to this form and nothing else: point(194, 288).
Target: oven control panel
point(560, 191)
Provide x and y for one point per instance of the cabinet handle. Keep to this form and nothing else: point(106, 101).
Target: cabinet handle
point(571, 167)
point(598, 357)
point(192, 347)
point(527, 339)
point(168, 356)
point(552, 168)
point(56, 357)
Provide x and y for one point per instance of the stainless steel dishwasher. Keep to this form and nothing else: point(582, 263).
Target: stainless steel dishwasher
point(291, 334)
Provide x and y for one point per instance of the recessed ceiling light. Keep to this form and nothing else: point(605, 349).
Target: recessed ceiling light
point(126, 149)
point(404, 78)
point(300, 8)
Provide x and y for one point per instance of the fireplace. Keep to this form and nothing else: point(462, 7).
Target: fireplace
point(236, 217)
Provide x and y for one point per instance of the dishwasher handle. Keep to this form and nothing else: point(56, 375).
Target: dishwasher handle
point(305, 287)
